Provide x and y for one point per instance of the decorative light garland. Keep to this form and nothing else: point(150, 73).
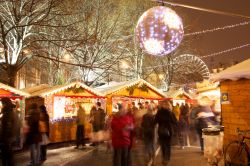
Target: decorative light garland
point(63, 120)
point(218, 28)
point(203, 9)
point(206, 56)
point(225, 51)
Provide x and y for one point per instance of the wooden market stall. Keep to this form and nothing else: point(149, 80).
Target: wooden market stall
point(179, 96)
point(235, 99)
point(61, 101)
point(129, 90)
point(18, 98)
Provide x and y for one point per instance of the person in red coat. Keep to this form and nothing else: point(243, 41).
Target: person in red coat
point(121, 126)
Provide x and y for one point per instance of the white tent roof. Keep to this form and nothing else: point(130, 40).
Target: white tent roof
point(238, 71)
point(176, 92)
point(45, 90)
point(118, 86)
point(14, 90)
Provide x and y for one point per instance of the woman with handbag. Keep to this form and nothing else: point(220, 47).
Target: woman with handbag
point(44, 129)
point(166, 121)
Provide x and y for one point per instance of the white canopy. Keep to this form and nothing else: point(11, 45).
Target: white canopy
point(238, 71)
point(118, 86)
point(14, 90)
point(45, 90)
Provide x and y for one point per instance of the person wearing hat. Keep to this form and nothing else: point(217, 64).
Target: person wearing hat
point(9, 129)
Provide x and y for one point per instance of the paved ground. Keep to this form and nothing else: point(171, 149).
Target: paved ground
point(187, 157)
point(57, 155)
point(69, 156)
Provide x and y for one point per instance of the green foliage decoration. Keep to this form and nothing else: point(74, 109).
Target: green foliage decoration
point(143, 88)
point(75, 90)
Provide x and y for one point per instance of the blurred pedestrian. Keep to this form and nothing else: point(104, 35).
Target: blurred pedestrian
point(138, 120)
point(80, 130)
point(166, 121)
point(134, 108)
point(148, 133)
point(121, 125)
point(131, 113)
point(101, 114)
point(204, 117)
point(34, 136)
point(184, 125)
point(44, 129)
point(108, 131)
point(9, 126)
point(176, 111)
point(97, 116)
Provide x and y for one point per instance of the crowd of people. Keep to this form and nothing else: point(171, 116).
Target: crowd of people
point(133, 123)
point(150, 121)
point(36, 130)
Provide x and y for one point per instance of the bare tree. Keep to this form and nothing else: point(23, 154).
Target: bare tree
point(19, 31)
point(99, 47)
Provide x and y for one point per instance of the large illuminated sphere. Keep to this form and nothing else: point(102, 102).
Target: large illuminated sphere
point(159, 31)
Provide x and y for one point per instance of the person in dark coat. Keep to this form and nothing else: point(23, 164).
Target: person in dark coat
point(44, 118)
point(80, 130)
point(34, 136)
point(9, 129)
point(166, 121)
point(183, 125)
point(148, 132)
point(97, 116)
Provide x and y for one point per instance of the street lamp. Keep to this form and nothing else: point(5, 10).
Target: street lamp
point(125, 65)
point(66, 57)
point(161, 76)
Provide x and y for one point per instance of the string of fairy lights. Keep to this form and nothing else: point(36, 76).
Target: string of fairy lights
point(205, 56)
point(218, 28)
point(225, 51)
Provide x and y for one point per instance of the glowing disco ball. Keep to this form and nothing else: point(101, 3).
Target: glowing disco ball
point(159, 31)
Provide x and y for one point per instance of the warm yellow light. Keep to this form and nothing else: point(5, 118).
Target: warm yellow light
point(67, 57)
point(124, 65)
point(161, 76)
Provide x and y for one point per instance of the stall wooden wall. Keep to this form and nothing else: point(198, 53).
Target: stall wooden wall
point(28, 101)
point(236, 114)
point(64, 131)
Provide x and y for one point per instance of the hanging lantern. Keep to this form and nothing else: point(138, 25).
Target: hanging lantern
point(159, 31)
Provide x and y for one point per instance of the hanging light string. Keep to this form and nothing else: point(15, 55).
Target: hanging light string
point(218, 28)
point(205, 56)
point(203, 9)
point(225, 51)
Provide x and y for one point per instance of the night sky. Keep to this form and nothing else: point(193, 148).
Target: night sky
point(209, 43)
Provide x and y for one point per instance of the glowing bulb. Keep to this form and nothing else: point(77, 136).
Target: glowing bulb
point(161, 76)
point(153, 45)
